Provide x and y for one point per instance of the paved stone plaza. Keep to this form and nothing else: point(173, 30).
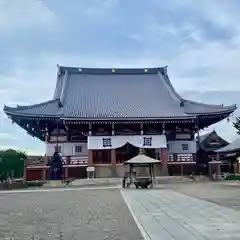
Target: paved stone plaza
point(225, 193)
point(171, 212)
point(164, 214)
point(66, 215)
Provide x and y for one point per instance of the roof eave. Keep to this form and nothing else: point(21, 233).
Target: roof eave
point(16, 114)
point(227, 111)
point(228, 151)
point(128, 118)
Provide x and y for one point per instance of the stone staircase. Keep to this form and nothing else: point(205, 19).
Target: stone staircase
point(54, 184)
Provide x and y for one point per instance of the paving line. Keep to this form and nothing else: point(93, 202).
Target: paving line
point(56, 189)
point(135, 217)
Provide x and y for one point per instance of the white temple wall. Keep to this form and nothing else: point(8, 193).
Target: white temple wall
point(182, 147)
point(67, 149)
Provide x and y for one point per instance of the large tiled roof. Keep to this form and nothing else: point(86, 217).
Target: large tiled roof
point(117, 94)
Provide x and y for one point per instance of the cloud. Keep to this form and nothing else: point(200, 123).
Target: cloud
point(199, 41)
point(7, 136)
point(25, 15)
point(225, 127)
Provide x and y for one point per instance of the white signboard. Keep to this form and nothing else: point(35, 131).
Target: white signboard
point(90, 169)
point(140, 141)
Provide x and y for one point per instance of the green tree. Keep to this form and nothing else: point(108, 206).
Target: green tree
point(11, 163)
point(236, 124)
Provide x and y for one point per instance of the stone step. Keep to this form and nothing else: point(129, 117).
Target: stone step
point(54, 183)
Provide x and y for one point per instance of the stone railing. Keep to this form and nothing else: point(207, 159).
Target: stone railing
point(172, 159)
point(80, 160)
point(75, 160)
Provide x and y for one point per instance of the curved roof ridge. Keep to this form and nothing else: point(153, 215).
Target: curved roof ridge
point(211, 105)
point(169, 87)
point(62, 67)
point(167, 80)
point(21, 107)
point(63, 90)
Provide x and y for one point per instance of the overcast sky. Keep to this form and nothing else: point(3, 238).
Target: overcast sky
point(198, 40)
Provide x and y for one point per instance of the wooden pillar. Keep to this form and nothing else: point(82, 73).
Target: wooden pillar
point(164, 164)
point(235, 166)
point(181, 169)
point(90, 151)
point(90, 158)
point(238, 165)
point(66, 173)
point(25, 174)
point(218, 166)
point(44, 174)
point(164, 170)
point(113, 157)
point(141, 126)
point(218, 170)
point(46, 142)
point(210, 170)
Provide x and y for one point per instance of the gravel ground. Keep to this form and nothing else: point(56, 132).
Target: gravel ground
point(221, 193)
point(83, 215)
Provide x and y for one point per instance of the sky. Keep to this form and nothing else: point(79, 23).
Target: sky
point(198, 40)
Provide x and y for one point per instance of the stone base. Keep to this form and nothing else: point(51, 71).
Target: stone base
point(109, 171)
point(157, 170)
point(118, 171)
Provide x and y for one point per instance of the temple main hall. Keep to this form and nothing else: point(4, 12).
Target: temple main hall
point(99, 118)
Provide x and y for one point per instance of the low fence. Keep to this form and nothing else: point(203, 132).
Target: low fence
point(74, 160)
point(175, 159)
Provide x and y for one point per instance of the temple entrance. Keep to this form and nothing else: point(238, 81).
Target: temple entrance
point(150, 152)
point(79, 172)
point(126, 152)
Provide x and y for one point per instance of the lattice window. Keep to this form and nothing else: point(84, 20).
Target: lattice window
point(78, 148)
point(107, 142)
point(147, 141)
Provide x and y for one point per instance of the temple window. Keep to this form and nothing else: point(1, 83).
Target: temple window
point(78, 149)
point(102, 156)
point(184, 147)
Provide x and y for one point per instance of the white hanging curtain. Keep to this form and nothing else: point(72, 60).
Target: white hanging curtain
point(140, 141)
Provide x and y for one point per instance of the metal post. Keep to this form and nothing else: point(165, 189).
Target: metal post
point(153, 173)
point(181, 169)
point(130, 173)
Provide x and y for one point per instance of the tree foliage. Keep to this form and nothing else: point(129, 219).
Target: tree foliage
point(11, 163)
point(236, 124)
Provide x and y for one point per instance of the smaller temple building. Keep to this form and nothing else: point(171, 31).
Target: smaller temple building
point(229, 157)
point(207, 145)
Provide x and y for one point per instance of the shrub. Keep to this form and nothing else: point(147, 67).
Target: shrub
point(233, 177)
point(34, 184)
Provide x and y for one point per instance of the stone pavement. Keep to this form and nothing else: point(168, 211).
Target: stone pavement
point(163, 214)
point(60, 214)
point(118, 181)
point(223, 193)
